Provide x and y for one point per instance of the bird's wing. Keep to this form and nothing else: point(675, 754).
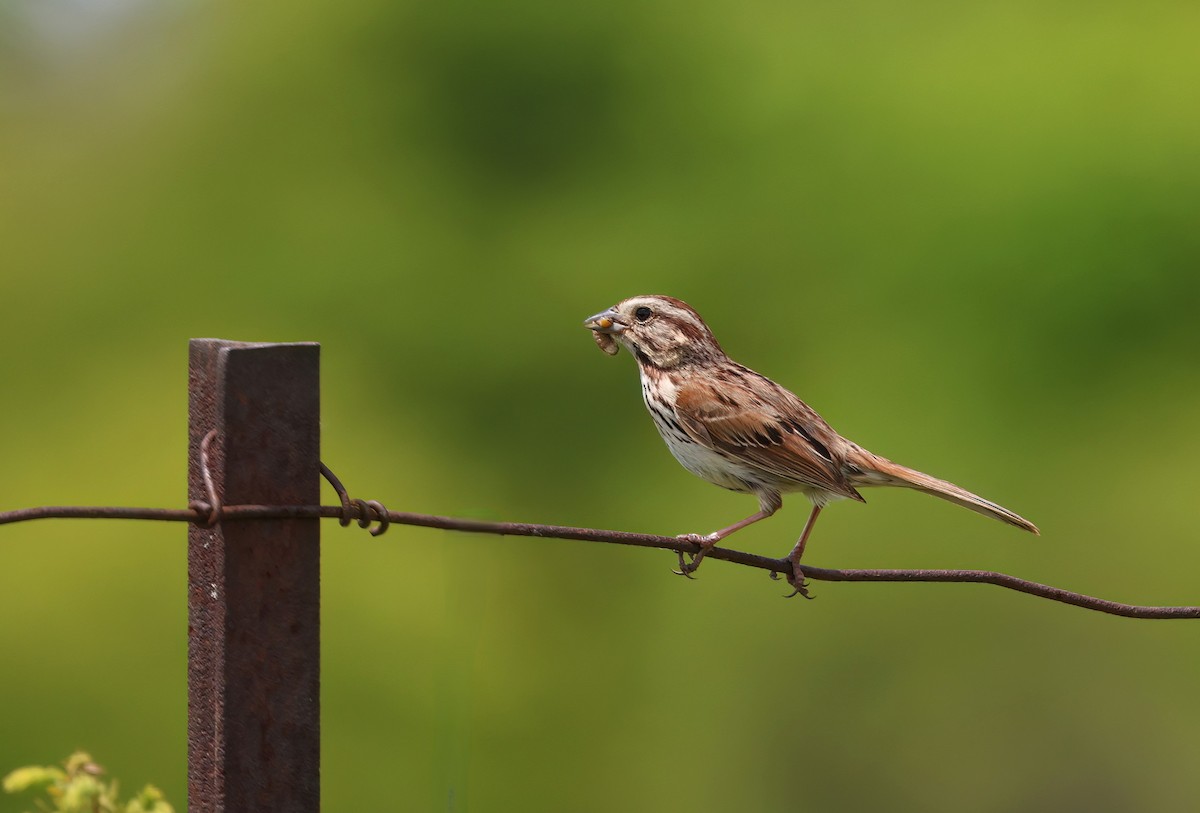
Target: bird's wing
point(767, 427)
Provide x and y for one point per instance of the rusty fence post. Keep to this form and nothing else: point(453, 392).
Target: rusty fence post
point(254, 587)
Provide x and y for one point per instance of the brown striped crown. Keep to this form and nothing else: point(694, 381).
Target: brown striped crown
point(664, 332)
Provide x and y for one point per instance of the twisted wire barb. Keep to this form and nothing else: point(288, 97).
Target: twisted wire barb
point(203, 513)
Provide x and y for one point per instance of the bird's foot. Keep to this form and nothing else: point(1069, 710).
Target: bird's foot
point(687, 566)
point(797, 581)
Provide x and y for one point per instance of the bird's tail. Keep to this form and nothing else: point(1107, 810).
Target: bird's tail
point(874, 470)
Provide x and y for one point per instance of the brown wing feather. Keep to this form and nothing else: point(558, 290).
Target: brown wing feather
point(767, 427)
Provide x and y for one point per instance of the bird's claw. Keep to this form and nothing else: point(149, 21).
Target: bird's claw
point(800, 589)
point(797, 581)
point(685, 567)
point(688, 567)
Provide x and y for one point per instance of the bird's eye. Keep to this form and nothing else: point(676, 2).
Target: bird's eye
point(642, 314)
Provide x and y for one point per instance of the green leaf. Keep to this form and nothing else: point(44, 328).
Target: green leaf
point(150, 800)
point(32, 776)
point(84, 793)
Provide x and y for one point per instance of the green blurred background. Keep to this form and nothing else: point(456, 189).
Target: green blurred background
point(967, 233)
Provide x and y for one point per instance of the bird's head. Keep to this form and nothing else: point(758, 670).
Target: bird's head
point(660, 331)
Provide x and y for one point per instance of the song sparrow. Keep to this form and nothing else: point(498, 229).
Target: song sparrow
point(740, 430)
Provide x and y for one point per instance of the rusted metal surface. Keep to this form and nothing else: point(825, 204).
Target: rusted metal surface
point(365, 514)
point(254, 587)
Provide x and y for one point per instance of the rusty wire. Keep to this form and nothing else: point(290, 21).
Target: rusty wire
point(212, 508)
point(369, 512)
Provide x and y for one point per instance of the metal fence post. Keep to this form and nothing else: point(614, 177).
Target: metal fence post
point(254, 586)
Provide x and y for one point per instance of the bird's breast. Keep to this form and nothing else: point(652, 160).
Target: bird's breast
point(658, 392)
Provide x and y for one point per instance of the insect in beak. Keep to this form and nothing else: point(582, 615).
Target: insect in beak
point(604, 326)
point(604, 322)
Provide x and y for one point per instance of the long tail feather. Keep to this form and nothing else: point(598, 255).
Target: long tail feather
point(879, 471)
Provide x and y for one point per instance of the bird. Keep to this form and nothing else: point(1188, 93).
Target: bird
point(741, 431)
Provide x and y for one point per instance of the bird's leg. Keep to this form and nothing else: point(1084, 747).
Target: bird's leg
point(797, 577)
point(687, 568)
point(768, 504)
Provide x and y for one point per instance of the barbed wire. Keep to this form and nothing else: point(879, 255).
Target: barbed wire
point(371, 513)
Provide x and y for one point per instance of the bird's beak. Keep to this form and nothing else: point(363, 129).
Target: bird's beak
point(605, 322)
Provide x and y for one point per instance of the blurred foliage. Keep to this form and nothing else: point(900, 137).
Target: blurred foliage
point(77, 788)
point(967, 233)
